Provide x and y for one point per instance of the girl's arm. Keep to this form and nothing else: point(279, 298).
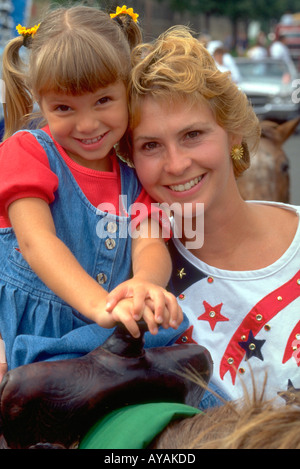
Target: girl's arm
point(56, 266)
point(152, 267)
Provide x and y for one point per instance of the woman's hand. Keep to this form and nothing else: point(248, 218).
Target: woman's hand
point(3, 370)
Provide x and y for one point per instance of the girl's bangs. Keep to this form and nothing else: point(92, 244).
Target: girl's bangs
point(78, 68)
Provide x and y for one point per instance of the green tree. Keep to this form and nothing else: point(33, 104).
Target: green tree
point(243, 9)
point(263, 11)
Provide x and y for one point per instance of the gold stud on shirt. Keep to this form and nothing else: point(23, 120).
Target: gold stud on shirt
point(181, 273)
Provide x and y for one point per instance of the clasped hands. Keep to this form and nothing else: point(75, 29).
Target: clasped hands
point(137, 299)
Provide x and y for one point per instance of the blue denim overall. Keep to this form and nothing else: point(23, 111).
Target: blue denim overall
point(36, 324)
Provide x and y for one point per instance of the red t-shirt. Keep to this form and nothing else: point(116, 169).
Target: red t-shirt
point(25, 172)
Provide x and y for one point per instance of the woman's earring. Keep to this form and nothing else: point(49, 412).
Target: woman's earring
point(237, 152)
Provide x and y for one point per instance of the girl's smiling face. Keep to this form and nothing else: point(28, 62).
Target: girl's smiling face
point(89, 125)
point(181, 154)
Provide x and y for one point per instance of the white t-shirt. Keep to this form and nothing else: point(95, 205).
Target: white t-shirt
point(280, 51)
point(248, 320)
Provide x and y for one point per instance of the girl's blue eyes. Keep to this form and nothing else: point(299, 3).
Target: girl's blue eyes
point(104, 100)
point(65, 108)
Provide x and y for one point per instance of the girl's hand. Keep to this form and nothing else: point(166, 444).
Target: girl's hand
point(147, 297)
point(3, 364)
point(3, 370)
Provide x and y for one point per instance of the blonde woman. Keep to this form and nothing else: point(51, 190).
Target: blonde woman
point(192, 129)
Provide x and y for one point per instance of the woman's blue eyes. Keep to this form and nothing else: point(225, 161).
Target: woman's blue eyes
point(194, 134)
point(150, 146)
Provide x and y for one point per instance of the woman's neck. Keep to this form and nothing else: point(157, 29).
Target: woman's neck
point(246, 236)
point(226, 230)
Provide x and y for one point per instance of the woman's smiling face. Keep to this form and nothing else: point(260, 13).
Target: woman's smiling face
point(181, 154)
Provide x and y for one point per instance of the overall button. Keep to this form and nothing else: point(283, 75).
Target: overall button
point(110, 243)
point(101, 278)
point(112, 227)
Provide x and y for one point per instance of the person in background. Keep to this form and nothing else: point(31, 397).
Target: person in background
point(259, 50)
point(224, 59)
point(279, 50)
point(216, 49)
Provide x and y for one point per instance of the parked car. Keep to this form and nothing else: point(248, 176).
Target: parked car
point(271, 86)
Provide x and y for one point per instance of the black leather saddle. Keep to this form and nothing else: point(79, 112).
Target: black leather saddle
point(55, 403)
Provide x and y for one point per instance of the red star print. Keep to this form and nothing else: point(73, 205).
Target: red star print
point(212, 314)
point(186, 337)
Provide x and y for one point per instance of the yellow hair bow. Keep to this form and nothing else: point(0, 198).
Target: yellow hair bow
point(23, 31)
point(125, 11)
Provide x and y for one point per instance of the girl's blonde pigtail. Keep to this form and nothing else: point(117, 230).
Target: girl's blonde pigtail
point(131, 30)
point(18, 99)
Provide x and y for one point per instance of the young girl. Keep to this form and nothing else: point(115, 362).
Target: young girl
point(60, 255)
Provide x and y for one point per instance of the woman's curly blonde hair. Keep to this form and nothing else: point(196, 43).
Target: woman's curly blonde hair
point(177, 66)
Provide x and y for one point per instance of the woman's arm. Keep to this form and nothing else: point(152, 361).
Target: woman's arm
point(151, 260)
